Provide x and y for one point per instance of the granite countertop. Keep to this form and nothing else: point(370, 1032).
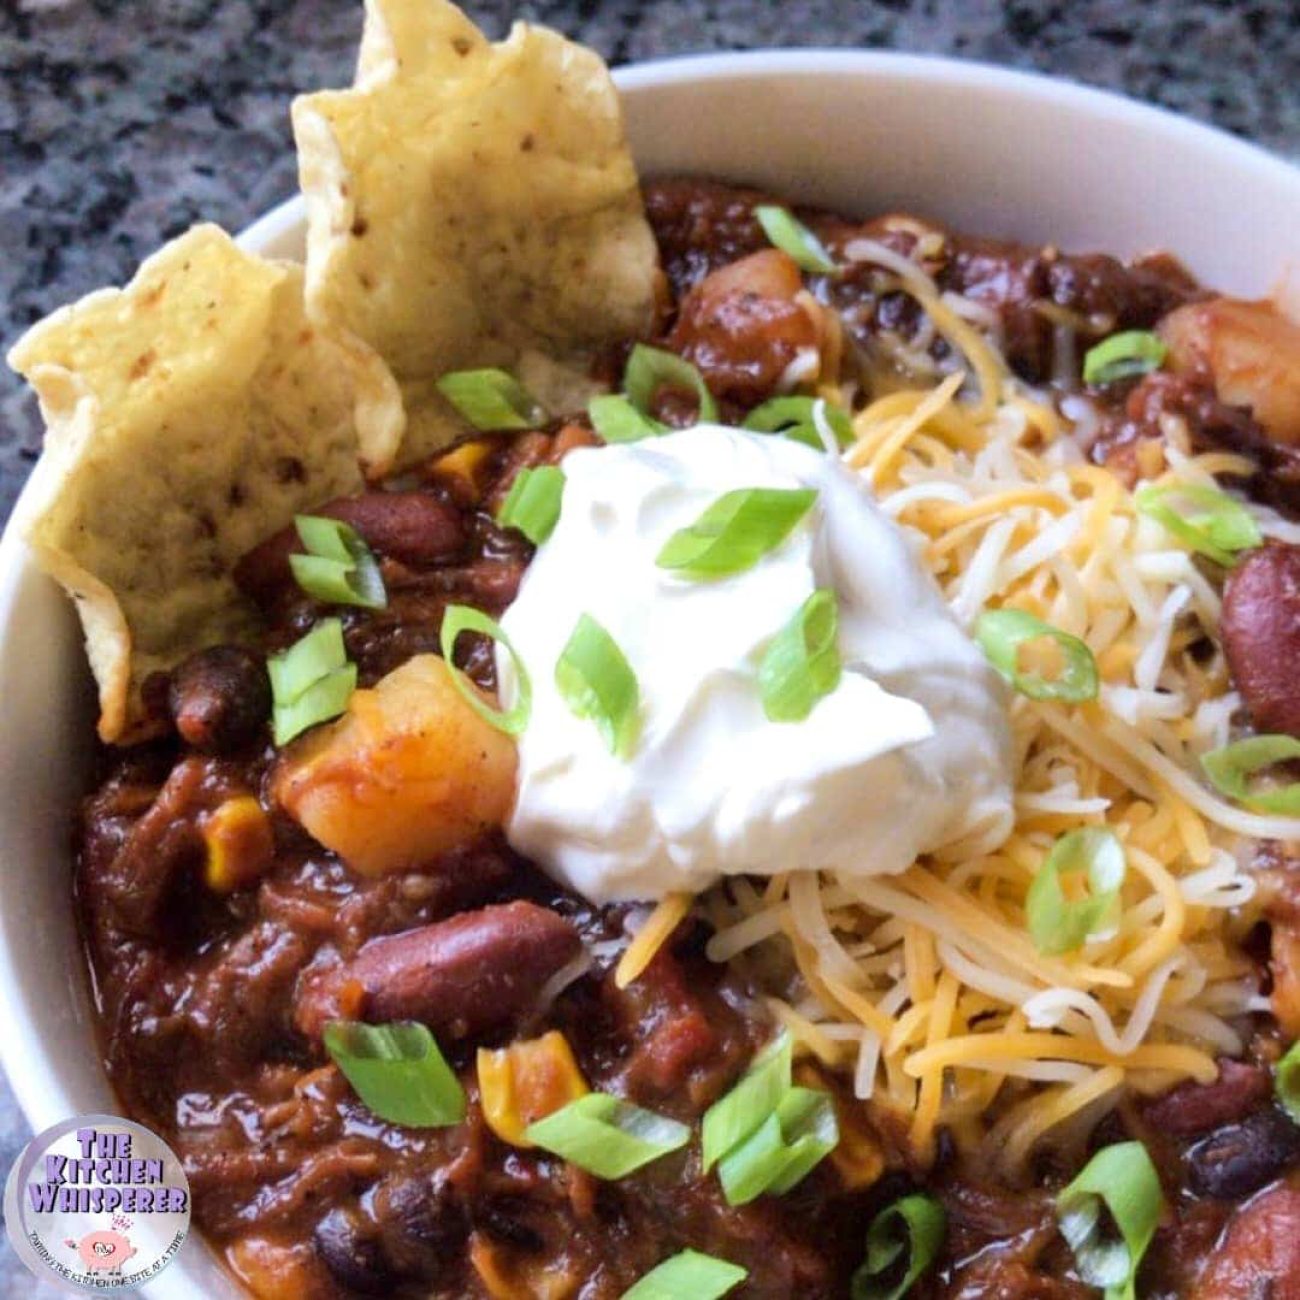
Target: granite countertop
point(123, 121)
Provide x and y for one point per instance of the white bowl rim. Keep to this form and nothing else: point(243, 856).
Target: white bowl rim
point(38, 1085)
point(921, 68)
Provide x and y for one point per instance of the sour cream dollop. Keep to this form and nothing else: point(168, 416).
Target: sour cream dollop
point(911, 753)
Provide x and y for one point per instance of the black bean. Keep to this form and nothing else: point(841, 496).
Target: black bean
point(506, 1219)
point(1239, 1159)
point(220, 698)
point(355, 1257)
point(423, 1223)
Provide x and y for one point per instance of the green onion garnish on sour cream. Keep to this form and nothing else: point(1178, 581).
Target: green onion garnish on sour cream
point(735, 532)
point(596, 681)
point(802, 664)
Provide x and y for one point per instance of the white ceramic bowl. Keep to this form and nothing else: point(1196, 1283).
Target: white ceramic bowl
point(992, 152)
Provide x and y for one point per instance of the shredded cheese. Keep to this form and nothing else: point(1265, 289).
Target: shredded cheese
point(926, 985)
point(652, 936)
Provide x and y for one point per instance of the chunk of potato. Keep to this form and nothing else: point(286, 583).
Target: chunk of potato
point(1251, 351)
point(275, 1270)
point(409, 772)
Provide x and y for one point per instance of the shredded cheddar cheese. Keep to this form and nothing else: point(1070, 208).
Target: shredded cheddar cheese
point(666, 917)
point(926, 985)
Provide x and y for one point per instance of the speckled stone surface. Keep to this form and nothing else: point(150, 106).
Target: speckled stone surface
point(122, 121)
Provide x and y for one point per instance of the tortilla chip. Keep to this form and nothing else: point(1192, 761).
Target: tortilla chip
point(467, 201)
point(188, 416)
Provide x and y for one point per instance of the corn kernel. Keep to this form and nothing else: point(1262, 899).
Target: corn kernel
point(240, 844)
point(525, 1082)
point(460, 467)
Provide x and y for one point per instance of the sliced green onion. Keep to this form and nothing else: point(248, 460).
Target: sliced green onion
point(738, 1115)
point(607, 1137)
point(796, 417)
point(325, 698)
point(1122, 1179)
point(1124, 356)
point(617, 420)
point(533, 503)
point(650, 369)
point(688, 1276)
point(398, 1071)
point(1058, 924)
point(464, 618)
point(1002, 632)
point(307, 660)
point(1209, 521)
point(492, 399)
point(329, 581)
point(596, 681)
point(791, 236)
point(1232, 766)
point(902, 1242)
point(802, 662)
point(735, 532)
point(1287, 1081)
point(339, 568)
point(748, 1170)
point(783, 1150)
point(311, 681)
point(810, 1131)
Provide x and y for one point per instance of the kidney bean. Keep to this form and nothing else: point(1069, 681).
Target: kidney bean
point(418, 529)
point(220, 698)
point(1259, 1256)
point(1241, 1158)
point(460, 977)
point(1261, 635)
point(1196, 1108)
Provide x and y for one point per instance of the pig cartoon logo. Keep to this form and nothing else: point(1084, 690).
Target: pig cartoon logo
point(98, 1203)
point(103, 1251)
